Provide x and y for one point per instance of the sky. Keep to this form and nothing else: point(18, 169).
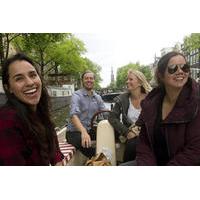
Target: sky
point(110, 50)
point(115, 32)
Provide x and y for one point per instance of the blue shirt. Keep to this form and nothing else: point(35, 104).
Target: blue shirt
point(84, 106)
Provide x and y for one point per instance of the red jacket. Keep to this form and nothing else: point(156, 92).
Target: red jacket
point(181, 128)
point(17, 146)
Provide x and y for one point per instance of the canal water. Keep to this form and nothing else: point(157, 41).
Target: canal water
point(61, 116)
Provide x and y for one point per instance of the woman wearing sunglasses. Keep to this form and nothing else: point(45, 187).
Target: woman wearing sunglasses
point(170, 117)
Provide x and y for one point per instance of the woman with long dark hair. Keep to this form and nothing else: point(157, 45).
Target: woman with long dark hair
point(27, 135)
point(170, 117)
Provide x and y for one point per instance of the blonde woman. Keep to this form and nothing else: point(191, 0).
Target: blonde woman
point(127, 107)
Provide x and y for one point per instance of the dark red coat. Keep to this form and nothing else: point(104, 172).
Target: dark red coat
point(181, 128)
point(17, 146)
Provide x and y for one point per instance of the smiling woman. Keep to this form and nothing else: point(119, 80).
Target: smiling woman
point(170, 117)
point(27, 135)
point(25, 83)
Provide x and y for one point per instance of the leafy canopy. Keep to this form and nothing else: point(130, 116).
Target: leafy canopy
point(192, 42)
point(122, 73)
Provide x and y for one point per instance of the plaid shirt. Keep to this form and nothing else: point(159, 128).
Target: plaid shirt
point(17, 147)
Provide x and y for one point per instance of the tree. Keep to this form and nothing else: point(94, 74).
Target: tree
point(146, 71)
point(57, 52)
point(68, 54)
point(122, 73)
point(38, 46)
point(67, 57)
point(192, 42)
point(5, 42)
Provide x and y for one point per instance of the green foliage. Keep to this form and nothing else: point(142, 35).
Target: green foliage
point(122, 73)
point(5, 44)
point(192, 42)
point(61, 52)
point(146, 71)
point(38, 46)
point(67, 55)
point(58, 52)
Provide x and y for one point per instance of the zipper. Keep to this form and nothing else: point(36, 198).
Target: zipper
point(167, 142)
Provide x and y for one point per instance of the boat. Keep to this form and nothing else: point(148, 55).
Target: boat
point(110, 96)
point(105, 143)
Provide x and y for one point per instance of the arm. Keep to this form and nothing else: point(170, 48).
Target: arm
point(144, 155)
point(74, 114)
point(12, 146)
point(144, 152)
point(114, 119)
point(85, 137)
point(190, 154)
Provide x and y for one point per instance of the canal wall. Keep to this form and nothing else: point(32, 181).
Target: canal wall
point(57, 102)
point(60, 102)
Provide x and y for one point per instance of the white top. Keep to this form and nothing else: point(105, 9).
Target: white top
point(133, 113)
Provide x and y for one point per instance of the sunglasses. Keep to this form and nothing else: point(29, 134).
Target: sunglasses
point(173, 68)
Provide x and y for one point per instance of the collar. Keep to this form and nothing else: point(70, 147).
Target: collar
point(85, 92)
point(185, 108)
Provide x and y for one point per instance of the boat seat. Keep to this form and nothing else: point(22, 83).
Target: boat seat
point(73, 157)
point(106, 141)
point(68, 150)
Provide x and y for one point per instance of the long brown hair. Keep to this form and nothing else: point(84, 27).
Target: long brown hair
point(42, 127)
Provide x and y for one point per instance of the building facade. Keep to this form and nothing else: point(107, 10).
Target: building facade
point(193, 58)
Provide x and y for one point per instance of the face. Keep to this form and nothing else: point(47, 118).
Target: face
point(25, 83)
point(176, 74)
point(132, 82)
point(88, 81)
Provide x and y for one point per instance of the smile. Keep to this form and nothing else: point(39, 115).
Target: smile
point(30, 91)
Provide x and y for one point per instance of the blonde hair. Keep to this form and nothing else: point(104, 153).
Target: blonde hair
point(141, 77)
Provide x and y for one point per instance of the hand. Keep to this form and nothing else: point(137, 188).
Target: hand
point(131, 135)
point(133, 131)
point(85, 139)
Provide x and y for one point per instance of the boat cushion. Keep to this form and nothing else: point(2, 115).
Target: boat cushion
point(67, 149)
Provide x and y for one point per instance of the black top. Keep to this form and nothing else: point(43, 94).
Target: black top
point(159, 138)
